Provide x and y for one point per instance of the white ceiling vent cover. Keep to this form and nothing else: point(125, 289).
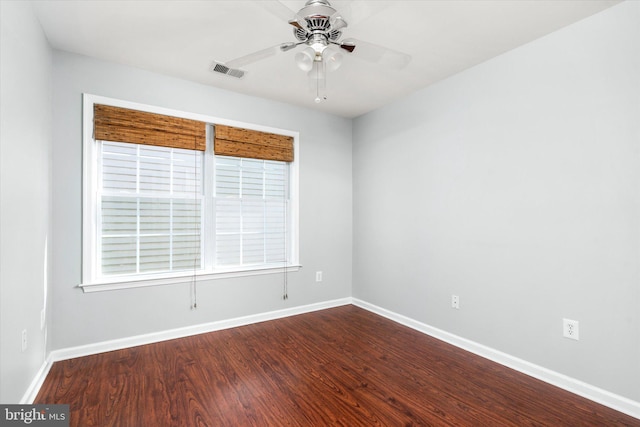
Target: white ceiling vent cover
point(218, 67)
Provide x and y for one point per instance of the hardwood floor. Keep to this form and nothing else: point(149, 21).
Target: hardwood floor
point(343, 366)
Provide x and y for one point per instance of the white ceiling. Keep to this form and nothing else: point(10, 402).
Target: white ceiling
point(182, 38)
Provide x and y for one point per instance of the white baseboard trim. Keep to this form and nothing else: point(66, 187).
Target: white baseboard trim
point(121, 343)
point(619, 403)
point(613, 401)
point(38, 380)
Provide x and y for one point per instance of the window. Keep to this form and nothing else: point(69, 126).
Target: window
point(251, 211)
point(150, 209)
point(163, 208)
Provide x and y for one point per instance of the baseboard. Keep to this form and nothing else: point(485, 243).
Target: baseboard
point(614, 401)
point(38, 380)
point(118, 344)
point(619, 403)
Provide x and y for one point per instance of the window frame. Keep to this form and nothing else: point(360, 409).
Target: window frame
point(90, 179)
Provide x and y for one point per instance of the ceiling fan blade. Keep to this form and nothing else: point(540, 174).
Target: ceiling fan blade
point(278, 9)
point(255, 56)
point(261, 54)
point(375, 53)
point(355, 11)
point(338, 22)
point(347, 45)
point(296, 23)
point(286, 47)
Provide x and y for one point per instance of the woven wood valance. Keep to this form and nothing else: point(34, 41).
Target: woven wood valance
point(139, 127)
point(237, 142)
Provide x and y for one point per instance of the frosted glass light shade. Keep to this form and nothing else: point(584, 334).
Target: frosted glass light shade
point(305, 59)
point(332, 58)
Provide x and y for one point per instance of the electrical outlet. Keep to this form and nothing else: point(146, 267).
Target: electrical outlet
point(318, 276)
point(570, 329)
point(455, 302)
point(24, 340)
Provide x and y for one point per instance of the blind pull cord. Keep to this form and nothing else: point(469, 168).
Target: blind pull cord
point(286, 252)
point(194, 282)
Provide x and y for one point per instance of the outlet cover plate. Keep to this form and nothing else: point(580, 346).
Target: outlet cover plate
point(455, 302)
point(571, 329)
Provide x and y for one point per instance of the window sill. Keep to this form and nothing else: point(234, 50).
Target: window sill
point(128, 282)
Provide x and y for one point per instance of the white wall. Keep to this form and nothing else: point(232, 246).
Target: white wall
point(25, 168)
point(515, 185)
point(325, 223)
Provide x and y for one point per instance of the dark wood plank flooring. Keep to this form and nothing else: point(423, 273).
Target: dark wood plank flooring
point(343, 366)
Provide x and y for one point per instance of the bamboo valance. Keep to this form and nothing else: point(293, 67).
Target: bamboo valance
point(139, 127)
point(238, 142)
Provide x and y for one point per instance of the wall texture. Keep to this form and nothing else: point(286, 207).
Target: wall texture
point(25, 170)
point(325, 223)
point(515, 186)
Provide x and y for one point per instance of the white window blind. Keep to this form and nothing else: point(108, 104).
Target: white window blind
point(251, 212)
point(150, 209)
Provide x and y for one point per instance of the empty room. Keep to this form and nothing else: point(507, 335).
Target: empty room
point(312, 212)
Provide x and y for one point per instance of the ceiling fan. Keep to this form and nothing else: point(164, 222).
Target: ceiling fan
point(318, 26)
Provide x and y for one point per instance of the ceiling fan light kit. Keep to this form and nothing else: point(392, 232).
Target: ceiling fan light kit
point(317, 26)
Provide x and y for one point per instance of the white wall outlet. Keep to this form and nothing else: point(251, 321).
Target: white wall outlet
point(318, 276)
point(570, 329)
point(455, 302)
point(24, 340)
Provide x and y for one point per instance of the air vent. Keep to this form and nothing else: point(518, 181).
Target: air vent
point(217, 67)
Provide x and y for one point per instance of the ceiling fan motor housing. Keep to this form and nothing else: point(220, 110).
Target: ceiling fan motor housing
point(317, 16)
